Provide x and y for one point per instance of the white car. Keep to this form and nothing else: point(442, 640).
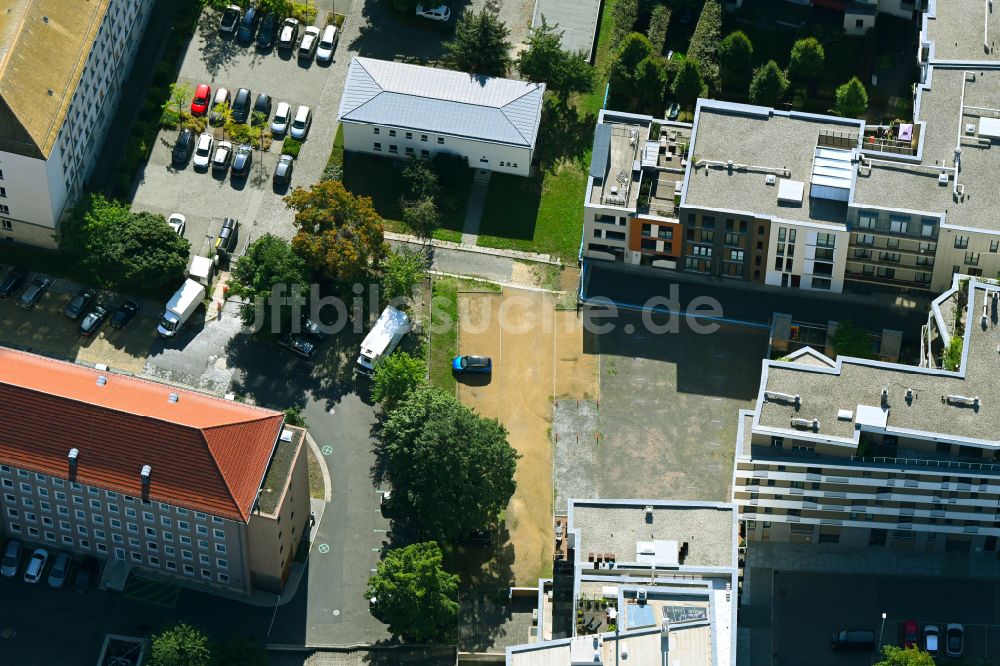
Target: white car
point(177, 222)
point(440, 13)
point(327, 43)
point(931, 638)
point(282, 116)
point(203, 151)
point(307, 47)
point(36, 565)
point(301, 123)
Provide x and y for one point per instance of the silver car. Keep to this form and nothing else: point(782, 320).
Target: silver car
point(59, 571)
point(36, 565)
point(282, 116)
point(301, 123)
point(11, 559)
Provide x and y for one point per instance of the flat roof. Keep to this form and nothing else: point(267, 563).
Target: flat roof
point(618, 527)
point(618, 183)
point(963, 30)
point(759, 141)
point(685, 645)
point(932, 411)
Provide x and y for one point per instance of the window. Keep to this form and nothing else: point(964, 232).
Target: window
point(377, 146)
point(219, 534)
point(223, 578)
point(409, 151)
point(375, 130)
point(95, 504)
point(67, 540)
point(93, 491)
point(736, 255)
point(80, 515)
point(168, 536)
point(147, 516)
point(5, 209)
point(84, 543)
point(43, 492)
point(188, 570)
point(151, 545)
point(171, 566)
point(7, 483)
point(425, 153)
point(28, 502)
point(165, 521)
point(701, 251)
point(777, 442)
point(186, 554)
point(821, 283)
point(99, 534)
point(154, 560)
point(185, 540)
point(732, 239)
point(116, 524)
point(892, 243)
point(826, 240)
point(393, 148)
point(60, 496)
point(46, 521)
point(971, 258)
point(202, 544)
point(150, 532)
point(111, 495)
point(13, 513)
point(26, 488)
point(220, 548)
point(891, 257)
point(221, 564)
point(961, 242)
point(206, 574)
point(778, 263)
point(866, 239)
point(30, 517)
point(423, 137)
point(204, 559)
point(183, 525)
point(132, 527)
point(928, 227)
point(392, 132)
point(440, 139)
point(409, 136)
point(112, 508)
point(898, 224)
point(994, 246)
point(136, 557)
point(130, 513)
point(133, 542)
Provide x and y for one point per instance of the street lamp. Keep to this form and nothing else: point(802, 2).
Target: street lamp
point(881, 629)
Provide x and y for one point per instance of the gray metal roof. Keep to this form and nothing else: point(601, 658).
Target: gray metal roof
point(602, 150)
point(380, 92)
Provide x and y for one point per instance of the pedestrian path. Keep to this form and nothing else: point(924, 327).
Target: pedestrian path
point(474, 210)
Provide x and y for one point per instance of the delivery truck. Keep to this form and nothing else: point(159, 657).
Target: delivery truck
point(180, 307)
point(390, 328)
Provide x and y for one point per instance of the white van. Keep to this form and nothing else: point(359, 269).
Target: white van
point(327, 44)
point(390, 328)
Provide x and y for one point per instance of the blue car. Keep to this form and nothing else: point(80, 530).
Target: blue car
point(472, 364)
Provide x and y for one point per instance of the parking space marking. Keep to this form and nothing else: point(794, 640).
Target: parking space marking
point(327, 450)
point(323, 548)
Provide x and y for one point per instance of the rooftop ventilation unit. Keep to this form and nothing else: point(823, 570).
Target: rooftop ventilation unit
point(970, 128)
point(649, 510)
point(173, 397)
point(844, 415)
point(102, 380)
point(73, 454)
point(770, 179)
point(101, 367)
point(776, 396)
point(146, 471)
point(909, 396)
point(961, 400)
point(806, 424)
point(885, 396)
point(640, 595)
point(942, 178)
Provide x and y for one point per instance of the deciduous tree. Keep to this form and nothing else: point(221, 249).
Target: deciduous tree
point(897, 656)
point(736, 59)
point(704, 45)
point(181, 645)
point(623, 20)
point(268, 261)
point(852, 99)
point(401, 271)
point(807, 60)
point(412, 593)
point(451, 469)
point(395, 376)
point(340, 235)
point(625, 74)
point(421, 217)
point(481, 44)
point(769, 85)
point(688, 85)
point(659, 23)
point(545, 61)
point(849, 339)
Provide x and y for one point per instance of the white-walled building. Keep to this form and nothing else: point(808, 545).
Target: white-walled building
point(400, 110)
point(62, 67)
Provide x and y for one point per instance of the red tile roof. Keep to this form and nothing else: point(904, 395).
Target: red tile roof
point(206, 453)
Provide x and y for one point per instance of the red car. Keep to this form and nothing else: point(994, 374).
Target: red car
point(202, 97)
point(911, 634)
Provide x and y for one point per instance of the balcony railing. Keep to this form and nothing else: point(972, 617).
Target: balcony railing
point(923, 462)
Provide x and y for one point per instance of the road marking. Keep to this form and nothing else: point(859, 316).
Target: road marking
point(375, 550)
point(323, 548)
point(327, 450)
point(336, 612)
point(330, 411)
point(382, 531)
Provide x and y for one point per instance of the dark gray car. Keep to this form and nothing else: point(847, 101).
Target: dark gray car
point(75, 307)
point(34, 292)
point(283, 171)
point(241, 105)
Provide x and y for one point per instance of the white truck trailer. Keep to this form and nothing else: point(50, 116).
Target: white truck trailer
point(180, 307)
point(390, 328)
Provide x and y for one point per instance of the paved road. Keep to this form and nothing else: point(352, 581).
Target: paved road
point(757, 304)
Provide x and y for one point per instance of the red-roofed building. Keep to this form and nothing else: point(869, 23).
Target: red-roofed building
point(154, 476)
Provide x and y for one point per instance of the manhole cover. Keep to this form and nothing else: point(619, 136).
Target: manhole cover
point(327, 450)
point(323, 548)
point(336, 612)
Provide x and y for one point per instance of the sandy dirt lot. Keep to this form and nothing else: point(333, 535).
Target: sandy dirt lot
point(538, 353)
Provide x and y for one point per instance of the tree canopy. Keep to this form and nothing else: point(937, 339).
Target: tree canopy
point(481, 44)
point(897, 656)
point(852, 99)
point(736, 59)
point(623, 19)
point(395, 376)
point(545, 61)
point(451, 469)
point(659, 23)
point(401, 271)
point(849, 339)
point(414, 595)
point(180, 645)
point(688, 85)
point(268, 261)
point(340, 235)
point(704, 45)
point(807, 60)
point(119, 248)
point(768, 85)
point(636, 73)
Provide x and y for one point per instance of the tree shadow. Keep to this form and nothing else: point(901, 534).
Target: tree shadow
point(390, 35)
point(217, 50)
point(565, 134)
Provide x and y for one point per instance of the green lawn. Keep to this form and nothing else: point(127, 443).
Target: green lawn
point(443, 332)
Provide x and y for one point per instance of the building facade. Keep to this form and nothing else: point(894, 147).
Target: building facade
point(869, 453)
point(401, 111)
point(62, 69)
point(150, 477)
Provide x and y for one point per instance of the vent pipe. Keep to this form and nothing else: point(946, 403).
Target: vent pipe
point(73, 453)
point(144, 475)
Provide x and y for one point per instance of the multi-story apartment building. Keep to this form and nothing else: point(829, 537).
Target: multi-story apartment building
point(401, 110)
point(62, 69)
point(149, 476)
point(859, 15)
point(867, 453)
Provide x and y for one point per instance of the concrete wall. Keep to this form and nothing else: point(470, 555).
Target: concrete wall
point(499, 158)
point(274, 538)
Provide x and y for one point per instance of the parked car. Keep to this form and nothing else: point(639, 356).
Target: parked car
point(223, 156)
point(289, 33)
point(75, 307)
point(911, 634)
point(853, 639)
point(124, 314)
point(59, 571)
point(313, 329)
point(230, 19)
point(261, 106)
point(92, 323)
point(301, 123)
point(282, 116)
point(307, 47)
point(11, 559)
point(241, 105)
point(440, 13)
point(202, 96)
point(327, 44)
point(36, 565)
point(203, 151)
point(177, 222)
point(11, 281)
point(242, 161)
point(297, 344)
point(283, 171)
point(34, 292)
point(248, 26)
point(225, 242)
point(472, 365)
point(931, 639)
point(222, 96)
point(673, 111)
point(266, 31)
point(183, 147)
point(954, 643)
point(86, 572)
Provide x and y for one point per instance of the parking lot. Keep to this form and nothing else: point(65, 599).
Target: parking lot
point(809, 607)
point(205, 197)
